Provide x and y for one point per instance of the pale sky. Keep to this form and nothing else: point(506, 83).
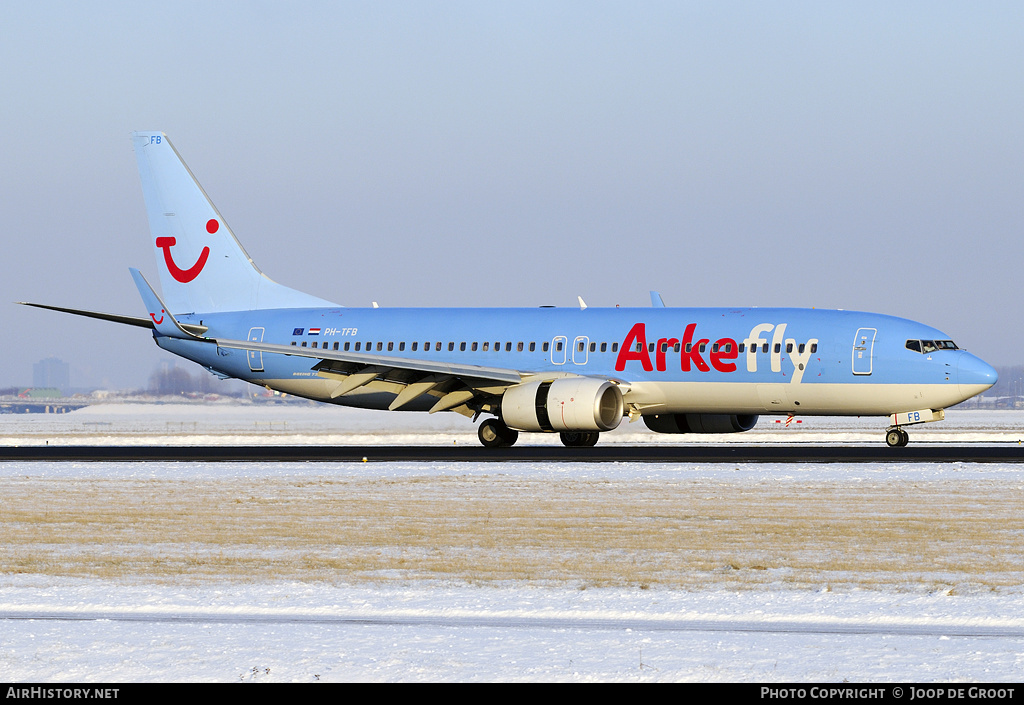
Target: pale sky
point(860, 156)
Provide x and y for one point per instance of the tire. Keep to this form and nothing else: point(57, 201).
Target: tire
point(493, 433)
point(579, 439)
point(895, 438)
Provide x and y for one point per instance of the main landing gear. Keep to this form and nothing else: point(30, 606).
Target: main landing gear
point(896, 437)
point(493, 433)
point(579, 439)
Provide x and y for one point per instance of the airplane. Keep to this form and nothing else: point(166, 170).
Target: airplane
point(576, 371)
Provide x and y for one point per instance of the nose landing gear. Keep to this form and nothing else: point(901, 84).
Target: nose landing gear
point(896, 437)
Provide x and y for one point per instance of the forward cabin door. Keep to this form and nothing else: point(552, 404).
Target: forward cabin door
point(863, 349)
point(255, 356)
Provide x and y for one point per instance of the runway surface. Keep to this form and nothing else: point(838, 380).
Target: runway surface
point(1008, 453)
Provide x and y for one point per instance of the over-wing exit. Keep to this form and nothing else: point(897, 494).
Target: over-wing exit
point(575, 371)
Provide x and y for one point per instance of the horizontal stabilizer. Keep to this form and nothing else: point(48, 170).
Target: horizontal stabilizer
point(114, 317)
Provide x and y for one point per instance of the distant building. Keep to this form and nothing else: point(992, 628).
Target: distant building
point(52, 373)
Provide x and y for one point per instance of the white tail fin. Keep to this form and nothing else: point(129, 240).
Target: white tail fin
point(203, 268)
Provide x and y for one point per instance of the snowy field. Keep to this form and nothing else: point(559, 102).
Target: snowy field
point(505, 571)
point(226, 423)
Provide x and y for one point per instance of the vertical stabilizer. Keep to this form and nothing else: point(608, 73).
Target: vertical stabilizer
point(203, 267)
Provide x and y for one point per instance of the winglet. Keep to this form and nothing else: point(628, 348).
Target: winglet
point(163, 320)
point(656, 300)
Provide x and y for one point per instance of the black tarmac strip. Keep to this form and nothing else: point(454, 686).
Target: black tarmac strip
point(1010, 453)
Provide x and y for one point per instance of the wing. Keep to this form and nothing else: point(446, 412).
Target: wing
point(455, 386)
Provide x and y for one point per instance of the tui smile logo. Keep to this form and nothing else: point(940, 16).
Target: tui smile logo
point(153, 316)
point(186, 275)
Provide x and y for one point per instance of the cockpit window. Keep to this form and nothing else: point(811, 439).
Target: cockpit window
point(930, 346)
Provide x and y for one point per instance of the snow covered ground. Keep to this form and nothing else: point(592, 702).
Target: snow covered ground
point(78, 631)
point(297, 423)
point(55, 627)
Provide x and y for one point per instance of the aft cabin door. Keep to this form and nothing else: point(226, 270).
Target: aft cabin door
point(863, 349)
point(255, 356)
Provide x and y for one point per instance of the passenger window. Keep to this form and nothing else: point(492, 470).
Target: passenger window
point(303, 343)
point(346, 345)
point(615, 347)
point(764, 348)
point(437, 346)
point(743, 347)
point(519, 346)
point(391, 346)
point(593, 347)
point(778, 347)
point(487, 346)
point(789, 347)
point(558, 346)
point(335, 346)
point(451, 346)
point(814, 347)
point(415, 345)
point(462, 346)
point(533, 346)
point(380, 346)
point(604, 347)
point(546, 347)
point(800, 348)
point(508, 346)
point(358, 346)
point(474, 347)
point(401, 346)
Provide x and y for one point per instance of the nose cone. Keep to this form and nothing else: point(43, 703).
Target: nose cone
point(974, 375)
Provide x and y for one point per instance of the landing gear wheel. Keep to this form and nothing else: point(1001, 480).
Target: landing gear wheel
point(579, 439)
point(493, 433)
point(896, 438)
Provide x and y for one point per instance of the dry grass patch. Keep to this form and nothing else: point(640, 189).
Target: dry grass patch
point(685, 534)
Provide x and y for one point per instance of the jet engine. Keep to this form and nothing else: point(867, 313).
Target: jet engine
point(700, 423)
point(564, 404)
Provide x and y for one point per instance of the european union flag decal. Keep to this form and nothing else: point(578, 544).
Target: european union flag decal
point(298, 331)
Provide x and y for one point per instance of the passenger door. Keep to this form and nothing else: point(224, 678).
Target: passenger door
point(863, 350)
point(255, 356)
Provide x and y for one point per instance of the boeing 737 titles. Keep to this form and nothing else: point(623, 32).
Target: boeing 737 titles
point(575, 371)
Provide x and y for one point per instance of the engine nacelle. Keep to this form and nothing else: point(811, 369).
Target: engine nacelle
point(565, 404)
point(700, 423)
